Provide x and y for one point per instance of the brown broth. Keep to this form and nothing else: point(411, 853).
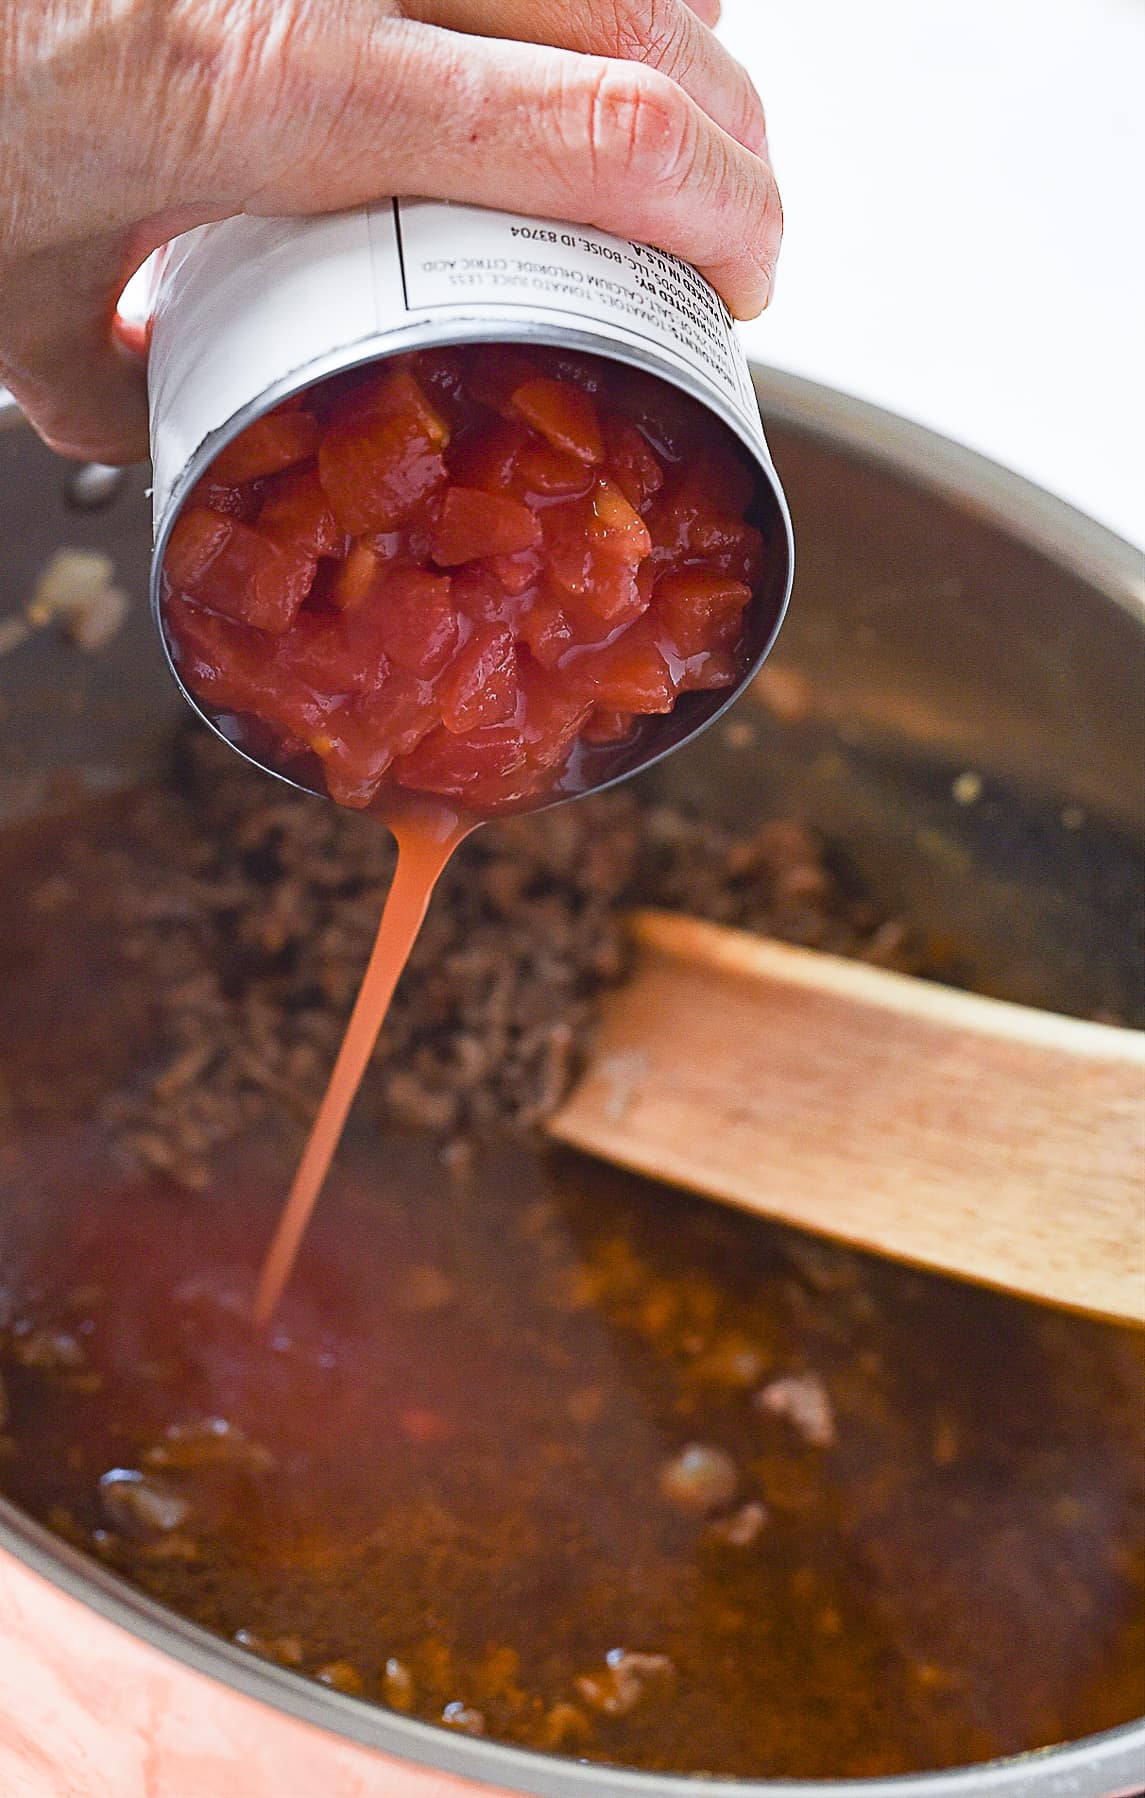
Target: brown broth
point(440, 1476)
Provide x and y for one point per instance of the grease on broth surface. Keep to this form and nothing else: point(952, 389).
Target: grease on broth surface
point(539, 1450)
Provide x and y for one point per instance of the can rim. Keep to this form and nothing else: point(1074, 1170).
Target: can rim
point(455, 333)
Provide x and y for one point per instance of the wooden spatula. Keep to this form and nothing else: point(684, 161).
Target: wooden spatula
point(998, 1143)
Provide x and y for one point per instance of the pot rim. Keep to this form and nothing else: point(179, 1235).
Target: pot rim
point(1089, 1767)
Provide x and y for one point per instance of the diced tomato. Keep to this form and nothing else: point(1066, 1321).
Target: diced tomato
point(377, 472)
point(495, 373)
point(480, 687)
point(615, 526)
point(710, 669)
point(729, 545)
point(417, 623)
point(219, 660)
point(358, 576)
point(473, 525)
point(318, 651)
point(614, 599)
point(546, 473)
point(230, 502)
point(564, 415)
point(235, 570)
point(403, 711)
point(552, 715)
point(227, 665)
point(518, 573)
point(481, 570)
point(486, 457)
point(593, 548)
point(478, 594)
point(276, 441)
point(547, 629)
point(594, 551)
point(634, 467)
point(629, 674)
point(296, 511)
point(568, 552)
point(198, 537)
point(359, 741)
point(608, 727)
point(700, 610)
point(450, 764)
point(395, 392)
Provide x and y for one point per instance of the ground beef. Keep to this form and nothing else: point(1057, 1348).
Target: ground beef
point(249, 910)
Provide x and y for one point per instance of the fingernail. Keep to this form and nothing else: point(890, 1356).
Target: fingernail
point(756, 300)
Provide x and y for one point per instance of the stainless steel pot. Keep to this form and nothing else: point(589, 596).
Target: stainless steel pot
point(948, 619)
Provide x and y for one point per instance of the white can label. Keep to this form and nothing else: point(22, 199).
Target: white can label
point(457, 257)
point(244, 306)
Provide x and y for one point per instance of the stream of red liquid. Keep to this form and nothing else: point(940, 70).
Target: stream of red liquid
point(427, 833)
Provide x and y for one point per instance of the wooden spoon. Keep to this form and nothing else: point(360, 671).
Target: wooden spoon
point(984, 1139)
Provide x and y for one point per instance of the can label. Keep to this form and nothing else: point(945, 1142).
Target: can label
point(625, 288)
point(245, 309)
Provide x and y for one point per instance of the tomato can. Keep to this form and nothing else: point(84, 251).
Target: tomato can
point(248, 311)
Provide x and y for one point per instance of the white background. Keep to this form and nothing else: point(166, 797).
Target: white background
point(964, 183)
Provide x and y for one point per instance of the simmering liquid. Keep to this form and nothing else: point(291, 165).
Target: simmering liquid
point(542, 1451)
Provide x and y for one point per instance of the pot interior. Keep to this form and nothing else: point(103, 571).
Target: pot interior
point(955, 712)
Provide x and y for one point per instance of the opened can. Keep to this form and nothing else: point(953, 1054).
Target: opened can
point(249, 311)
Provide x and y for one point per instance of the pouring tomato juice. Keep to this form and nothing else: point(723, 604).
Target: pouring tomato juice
point(460, 583)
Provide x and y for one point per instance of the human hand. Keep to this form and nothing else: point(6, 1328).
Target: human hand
point(124, 122)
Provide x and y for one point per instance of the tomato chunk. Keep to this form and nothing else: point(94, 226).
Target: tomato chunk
point(630, 674)
point(417, 624)
point(231, 502)
point(359, 742)
point(634, 467)
point(701, 611)
point(552, 716)
point(604, 726)
point(547, 629)
point(377, 472)
point(481, 686)
point(473, 525)
point(233, 569)
point(272, 443)
point(545, 473)
point(564, 415)
point(358, 575)
point(296, 511)
point(394, 392)
point(487, 458)
point(448, 764)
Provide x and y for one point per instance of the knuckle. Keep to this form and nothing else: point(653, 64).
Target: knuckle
point(239, 46)
point(653, 32)
point(640, 126)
